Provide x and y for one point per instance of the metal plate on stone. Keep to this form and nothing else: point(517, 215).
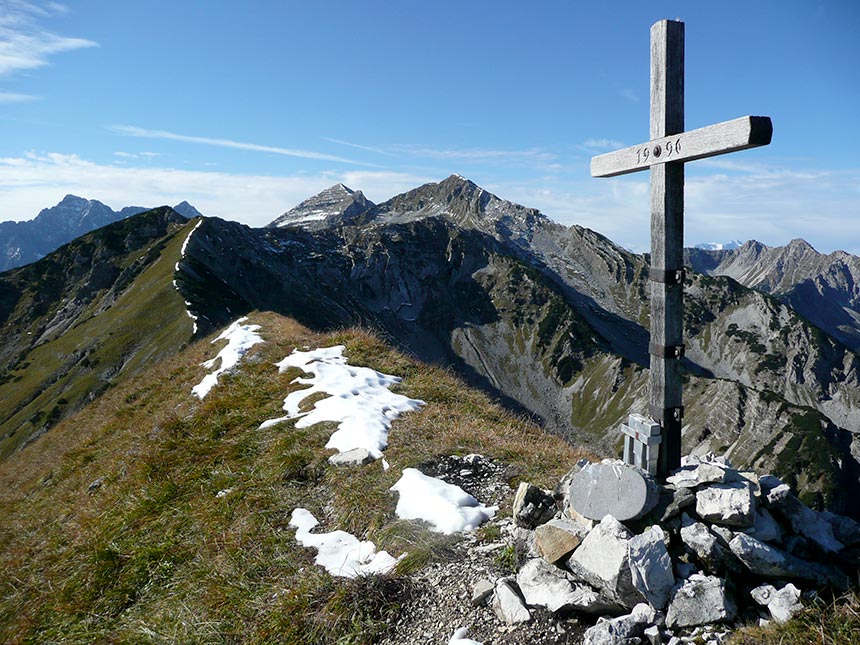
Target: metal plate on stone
point(609, 489)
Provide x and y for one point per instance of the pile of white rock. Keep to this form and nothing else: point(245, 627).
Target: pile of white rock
point(711, 546)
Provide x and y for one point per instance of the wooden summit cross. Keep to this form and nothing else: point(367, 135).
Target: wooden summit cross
point(665, 155)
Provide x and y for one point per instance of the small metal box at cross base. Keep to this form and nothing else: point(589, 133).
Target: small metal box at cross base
point(641, 442)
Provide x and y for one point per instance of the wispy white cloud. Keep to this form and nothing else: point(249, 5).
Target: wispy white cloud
point(597, 145)
point(13, 97)
point(428, 154)
point(628, 95)
point(24, 42)
point(134, 131)
point(136, 155)
point(33, 181)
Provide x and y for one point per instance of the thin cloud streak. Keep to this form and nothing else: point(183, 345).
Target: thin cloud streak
point(591, 145)
point(341, 142)
point(13, 97)
point(134, 131)
point(464, 154)
point(25, 44)
point(474, 154)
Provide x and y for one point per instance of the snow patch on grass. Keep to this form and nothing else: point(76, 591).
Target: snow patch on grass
point(339, 552)
point(446, 507)
point(240, 338)
point(359, 400)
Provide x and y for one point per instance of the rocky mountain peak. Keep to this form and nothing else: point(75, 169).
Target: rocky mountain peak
point(187, 210)
point(800, 245)
point(463, 203)
point(334, 204)
point(73, 200)
point(73, 211)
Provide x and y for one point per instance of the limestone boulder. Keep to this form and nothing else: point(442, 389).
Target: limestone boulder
point(810, 524)
point(651, 566)
point(774, 491)
point(708, 549)
point(700, 600)
point(730, 504)
point(623, 630)
point(765, 528)
point(698, 474)
point(354, 457)
point(602, 561)
point(762, 559)
point(844, 528)
point(481, 591)
point(545, 585)
point(782, 603)
point(508, 605)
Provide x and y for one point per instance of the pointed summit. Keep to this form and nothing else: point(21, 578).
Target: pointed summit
point(187, 210)
point(463, 203)
point(337, 202)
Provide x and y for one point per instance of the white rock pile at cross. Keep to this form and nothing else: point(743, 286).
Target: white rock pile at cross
point(716, 546)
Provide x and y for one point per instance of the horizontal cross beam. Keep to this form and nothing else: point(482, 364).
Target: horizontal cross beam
point(729, 136)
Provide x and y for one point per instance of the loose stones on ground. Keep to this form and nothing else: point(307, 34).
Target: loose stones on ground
point(720, 522)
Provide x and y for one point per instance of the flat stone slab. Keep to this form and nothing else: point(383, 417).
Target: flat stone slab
point(611, 489)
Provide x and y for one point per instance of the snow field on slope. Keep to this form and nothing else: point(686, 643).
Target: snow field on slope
point(176, 268)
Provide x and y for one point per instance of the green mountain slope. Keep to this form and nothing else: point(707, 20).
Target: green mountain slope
point(99, 309)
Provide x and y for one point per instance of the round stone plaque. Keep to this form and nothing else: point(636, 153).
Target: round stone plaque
point(610, 489)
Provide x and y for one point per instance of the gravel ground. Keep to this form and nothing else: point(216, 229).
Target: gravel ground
point(442, 598)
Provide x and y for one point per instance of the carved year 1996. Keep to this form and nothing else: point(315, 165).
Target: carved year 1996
point(646, 152)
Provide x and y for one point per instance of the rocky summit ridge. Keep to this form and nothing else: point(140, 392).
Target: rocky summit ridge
point(551, 320)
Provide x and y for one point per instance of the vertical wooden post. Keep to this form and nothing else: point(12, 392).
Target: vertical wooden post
point(667, 241)
point(665, 154)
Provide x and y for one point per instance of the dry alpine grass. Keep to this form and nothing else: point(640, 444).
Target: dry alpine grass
point(153, 555)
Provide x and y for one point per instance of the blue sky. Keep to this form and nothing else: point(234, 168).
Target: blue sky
point(245, 109)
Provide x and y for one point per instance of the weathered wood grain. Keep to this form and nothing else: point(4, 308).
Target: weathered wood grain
point(667, 233)
point(718, 139)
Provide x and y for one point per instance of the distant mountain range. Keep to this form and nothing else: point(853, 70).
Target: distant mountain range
point(552, 320)
point(25, 242)
point(719, 246)
point(823, 288)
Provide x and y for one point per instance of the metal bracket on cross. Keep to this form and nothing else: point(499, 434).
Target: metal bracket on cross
point(641, 442)
point(668, 277)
